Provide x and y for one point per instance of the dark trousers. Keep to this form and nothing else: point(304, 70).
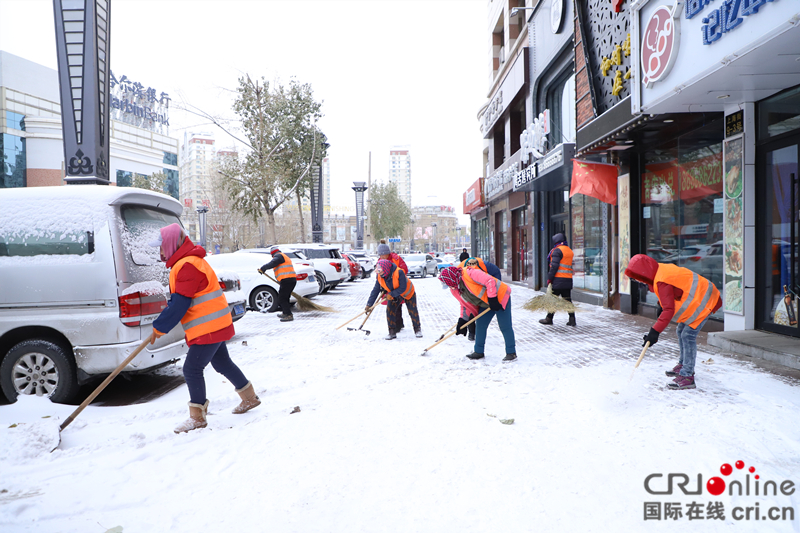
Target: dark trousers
point(394, 309)
point(564, 293)
point(287, 286)
point(197, 360)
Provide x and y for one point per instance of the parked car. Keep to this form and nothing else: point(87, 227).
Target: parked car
point(420, 264)
point(80, 286)
point(444, 262)
point(355, 268)
point(231, 287)
point(663, 255)
point(329, 266)
point(367, 262)
point(261, 292)
point(708, 262)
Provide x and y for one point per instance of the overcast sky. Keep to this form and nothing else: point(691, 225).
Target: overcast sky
point(404, 72)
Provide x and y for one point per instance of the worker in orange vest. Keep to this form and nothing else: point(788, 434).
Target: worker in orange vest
point(393, 282)
point(476, 290)
point(197, 302)
point(284, 272)
point(695, 298)
point(384, 252)
point(560, 275)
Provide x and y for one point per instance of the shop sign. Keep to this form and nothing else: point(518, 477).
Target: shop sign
point(723, 19)
point(624, 218)
point(534, 138)
point(660, 43)
point(497, 183)
point(615, 58)
point(473, 197)
point(493, 111)
point(525, 176)
point(734, 124)
point(133, 103)
point(556, 157)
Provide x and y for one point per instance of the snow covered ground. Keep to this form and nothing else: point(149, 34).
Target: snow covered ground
point(386, 440)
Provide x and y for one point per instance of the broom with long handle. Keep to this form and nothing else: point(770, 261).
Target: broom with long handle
point(447, 336)
point(303, 303)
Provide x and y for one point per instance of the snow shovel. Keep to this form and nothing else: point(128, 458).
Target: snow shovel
point(371, 309)
point(100, 388)
point(447, 336)
point(303, 303)
point(646, 346)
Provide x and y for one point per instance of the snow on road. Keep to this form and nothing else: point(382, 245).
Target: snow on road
point(386, 440)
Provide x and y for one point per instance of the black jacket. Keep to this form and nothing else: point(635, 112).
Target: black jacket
point(463, 257)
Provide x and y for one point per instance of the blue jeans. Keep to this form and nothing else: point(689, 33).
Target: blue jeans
point(504, 321)
point(687, 340)
point(198, 358)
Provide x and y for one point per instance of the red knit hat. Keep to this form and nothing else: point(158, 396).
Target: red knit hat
point(451, 276)
point(386, 267)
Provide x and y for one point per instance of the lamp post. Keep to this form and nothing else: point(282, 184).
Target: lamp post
point(201, 211)
point(435, 227)
point(317, 201)
point(359, 187)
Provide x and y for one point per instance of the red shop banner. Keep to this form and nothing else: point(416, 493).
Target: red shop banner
point(691, 181)
point(473, 197)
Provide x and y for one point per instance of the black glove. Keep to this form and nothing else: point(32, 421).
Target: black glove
point(494, 304)
point(460, 331)
point(260, 271)
point(368, 308)
point(652, 337)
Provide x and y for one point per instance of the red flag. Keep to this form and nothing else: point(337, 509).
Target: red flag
point(598, 180)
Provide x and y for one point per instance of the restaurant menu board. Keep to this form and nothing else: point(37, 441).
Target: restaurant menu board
point(734, 225)
point(624, 218)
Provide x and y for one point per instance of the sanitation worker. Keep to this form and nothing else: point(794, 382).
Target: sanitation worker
point(489, 268)
point(392, 280)
point(285, 274)
point(384, 252)
point(560, 274)
point(476, 290)
point(197, 302)
point(695, 299)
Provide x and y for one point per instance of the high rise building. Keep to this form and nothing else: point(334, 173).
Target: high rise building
point(400, 171)
point(197, 162)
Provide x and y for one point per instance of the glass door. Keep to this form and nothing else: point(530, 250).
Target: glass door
point(778, 270)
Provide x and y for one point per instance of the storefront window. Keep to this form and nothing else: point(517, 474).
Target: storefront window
point(779, 114)
point(682, 205)
point(480, 234)
point(12, 149)
point(587, 242)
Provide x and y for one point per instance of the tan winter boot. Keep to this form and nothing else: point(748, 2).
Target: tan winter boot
point(249, 399)
point(197, 418)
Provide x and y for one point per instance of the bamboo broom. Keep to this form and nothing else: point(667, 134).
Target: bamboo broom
point(303, 303)
point(549, 302)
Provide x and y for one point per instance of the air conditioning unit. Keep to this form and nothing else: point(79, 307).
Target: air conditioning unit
point(502, 55)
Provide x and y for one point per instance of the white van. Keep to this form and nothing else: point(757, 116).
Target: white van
point(79, 286)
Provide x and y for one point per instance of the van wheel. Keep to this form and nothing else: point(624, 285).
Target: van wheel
point(39, 367)
point(264, 299)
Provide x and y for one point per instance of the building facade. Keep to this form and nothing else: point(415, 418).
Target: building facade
point(31, 135)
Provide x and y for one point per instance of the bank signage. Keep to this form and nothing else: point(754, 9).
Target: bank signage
point(677, 45)
point(139, 105)
point(473, 197)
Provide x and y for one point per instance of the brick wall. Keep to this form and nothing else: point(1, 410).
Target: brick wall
point(583, 93)
point(44, 177)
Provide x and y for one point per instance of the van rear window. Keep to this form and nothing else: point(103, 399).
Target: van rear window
point(142, 225)
point(46, 242)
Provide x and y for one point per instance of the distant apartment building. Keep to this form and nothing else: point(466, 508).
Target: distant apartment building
point(400, 171)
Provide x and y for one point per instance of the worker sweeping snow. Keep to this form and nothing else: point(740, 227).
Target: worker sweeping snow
point(393, 281)
point(476, 290)
point(695, 298)
point(197, 302)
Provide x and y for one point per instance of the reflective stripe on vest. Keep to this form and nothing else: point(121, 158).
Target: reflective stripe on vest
point(285, 270)
point(699, 294)
point(565, 266)
point(479, 291)
point(208, 311)
point(396, 284)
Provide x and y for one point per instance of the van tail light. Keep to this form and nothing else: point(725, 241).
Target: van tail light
point(301, 277)
point(694, 258)
point(132, 307)
point(337, 266)
point(222, 285)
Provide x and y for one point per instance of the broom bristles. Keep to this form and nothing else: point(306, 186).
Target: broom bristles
point(550, 303)
point(304, 304)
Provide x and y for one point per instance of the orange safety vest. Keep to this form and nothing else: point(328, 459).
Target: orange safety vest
point(285, 270)
point(208, 311)
point(481, 264)
point(699, 295)
point(479, 291)
point(395, 284)
point(565, 267)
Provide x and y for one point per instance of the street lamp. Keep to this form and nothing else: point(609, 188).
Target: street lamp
point(202, 210)
point(359, 187)
point(516, 10)
point(435, 237)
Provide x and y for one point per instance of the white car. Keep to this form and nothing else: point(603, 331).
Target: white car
point(420, 264)
point(330, 267)
point(231, 287)
point(261, 292)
